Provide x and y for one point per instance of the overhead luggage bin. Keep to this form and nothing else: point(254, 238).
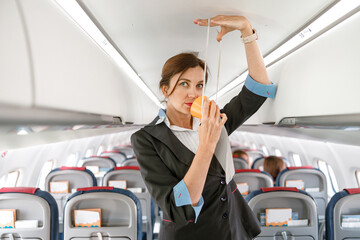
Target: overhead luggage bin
point(120, 214)
point(33, 207)
point(343, 215)
point(282, 199)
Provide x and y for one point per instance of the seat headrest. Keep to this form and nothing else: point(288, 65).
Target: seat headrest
point(352, 190)
point(302, 167)
point(127, 168)
point(73, 168)
point(273, 189)
point(247, 170)
point(94, 188)
point(18, 190)
point(95, 156)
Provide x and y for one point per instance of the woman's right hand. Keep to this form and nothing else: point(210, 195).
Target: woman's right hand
point(212, 122)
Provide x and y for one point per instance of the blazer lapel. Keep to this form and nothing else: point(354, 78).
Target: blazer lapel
point(164, 134)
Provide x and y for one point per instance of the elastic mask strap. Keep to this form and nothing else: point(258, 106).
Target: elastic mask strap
point(218, 73)
point(205, 68)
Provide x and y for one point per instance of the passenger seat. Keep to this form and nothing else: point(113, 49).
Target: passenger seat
point(120, 214)
point(77, 177)
point(274, 203)
point(30, 204)
point(343, 215)
point(135, 183)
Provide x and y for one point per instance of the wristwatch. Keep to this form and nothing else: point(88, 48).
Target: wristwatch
point(250, 38)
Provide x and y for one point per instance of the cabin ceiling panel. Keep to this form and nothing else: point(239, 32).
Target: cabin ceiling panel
point(147, 33)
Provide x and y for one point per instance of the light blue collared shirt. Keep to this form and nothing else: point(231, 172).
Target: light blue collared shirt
point(260, 89)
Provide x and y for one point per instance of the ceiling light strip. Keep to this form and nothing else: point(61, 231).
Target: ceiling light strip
point(82, 19)
point(335, 13)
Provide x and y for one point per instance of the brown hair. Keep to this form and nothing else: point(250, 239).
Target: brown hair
point(179, 64)
point(274, 165)
point(241, 154)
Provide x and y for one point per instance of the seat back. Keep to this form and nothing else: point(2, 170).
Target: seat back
point(254, 154)
point(134, 181)
point(314, 183)
point(255, 178)
point(117, 156)
point(130, 162)
point(258, 163)
point(342, 207)
point(127, 150)
point(120, 214)
point(280, 199)
point(100, 161)
point(102, 165)
point(30, 204)
point(240, 163)
point(78, 177)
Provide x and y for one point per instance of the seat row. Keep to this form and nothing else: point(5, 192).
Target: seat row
point(127, 177)
point(313, 180)
point(121, 214)
point(118, 215)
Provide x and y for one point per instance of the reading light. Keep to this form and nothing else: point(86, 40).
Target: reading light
point(324, 21)
point(82, 19)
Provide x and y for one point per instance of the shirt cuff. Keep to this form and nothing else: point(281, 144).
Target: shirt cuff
point(182, 198)
point(260, 89)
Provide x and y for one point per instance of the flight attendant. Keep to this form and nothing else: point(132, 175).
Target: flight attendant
point(186, 162)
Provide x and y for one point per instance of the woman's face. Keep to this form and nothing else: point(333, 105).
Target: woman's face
point(187, 89)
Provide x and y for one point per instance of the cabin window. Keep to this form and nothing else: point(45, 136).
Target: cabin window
point(71, 160)
point(89, 152)
point(100, 150)
point(332, 185)
point(253, 145)
point(45, 170)
point(357, 174)
point(296, 159)
point(265, 151)
point(10, 179)
point(277, 152)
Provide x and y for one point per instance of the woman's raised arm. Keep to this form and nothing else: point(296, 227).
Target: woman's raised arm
point(254, 58)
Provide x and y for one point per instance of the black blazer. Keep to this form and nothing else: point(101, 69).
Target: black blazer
point(164, 161)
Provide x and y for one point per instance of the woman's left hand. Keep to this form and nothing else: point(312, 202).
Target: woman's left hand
point(227, 23)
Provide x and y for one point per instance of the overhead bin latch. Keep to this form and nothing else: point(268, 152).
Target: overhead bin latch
point(288, 121)
point(117, 120)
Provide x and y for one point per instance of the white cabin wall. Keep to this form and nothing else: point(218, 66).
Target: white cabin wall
point(347, 159)
point(31, 160)
point(320, 78)
point(15, 74)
